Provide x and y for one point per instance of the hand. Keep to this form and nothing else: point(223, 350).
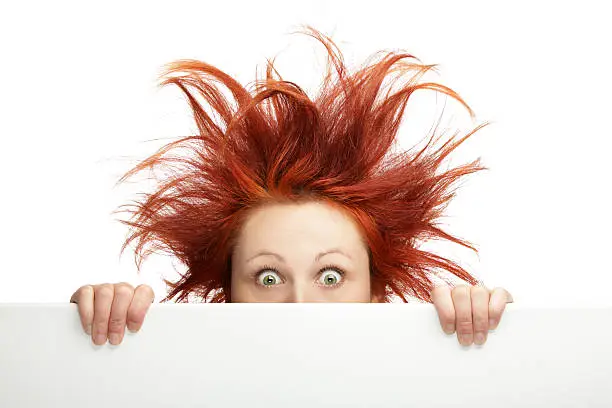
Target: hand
point(474, 310)
point(108, 307)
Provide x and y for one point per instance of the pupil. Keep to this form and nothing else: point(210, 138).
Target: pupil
point(269, 279)
point(331, 279)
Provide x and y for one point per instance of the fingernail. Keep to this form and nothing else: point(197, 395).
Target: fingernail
point(100, 338)
point(449, 329)
point(88, 330)
point(114, 338)
point(479, 338)
point(491, 324)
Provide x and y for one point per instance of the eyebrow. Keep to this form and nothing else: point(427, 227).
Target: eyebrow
point(319, 256)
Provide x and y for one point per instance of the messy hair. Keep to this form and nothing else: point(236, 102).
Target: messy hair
point(278, 145)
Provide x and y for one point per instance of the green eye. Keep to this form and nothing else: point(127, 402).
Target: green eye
point(269, 279)
point(331, 278)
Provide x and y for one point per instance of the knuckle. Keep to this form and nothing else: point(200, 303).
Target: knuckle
point(105, 290)
point(124, 284)
point(464, 326)
point(447, 318)
point(436, 291)
point(138, 309)
point(146, 289)
point(116, 325)
point(460, 291)
point(124, 290)
point(79, 293)
point(136, 316)
point(100, 327)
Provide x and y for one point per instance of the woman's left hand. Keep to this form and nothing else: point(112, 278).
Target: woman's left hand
point(472, 310)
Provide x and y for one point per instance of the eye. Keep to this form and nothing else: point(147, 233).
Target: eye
point(269, 275)
point(332, 276)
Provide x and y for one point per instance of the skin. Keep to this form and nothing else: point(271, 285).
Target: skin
point(294, 235)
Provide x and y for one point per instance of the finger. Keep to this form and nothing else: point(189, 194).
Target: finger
point(497, 305)
point(463, 314)
point(121, 302)
point(441, 297)
point(103, 299)
point(84, 298)
point(143, 297)
point(480, 313)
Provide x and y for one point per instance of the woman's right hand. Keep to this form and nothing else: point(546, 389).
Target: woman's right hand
point(107, 308)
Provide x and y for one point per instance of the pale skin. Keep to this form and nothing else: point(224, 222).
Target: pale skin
point(291, 253)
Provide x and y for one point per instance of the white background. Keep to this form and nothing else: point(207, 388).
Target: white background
point(79, 107)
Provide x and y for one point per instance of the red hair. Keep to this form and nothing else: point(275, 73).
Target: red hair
point(280, 146)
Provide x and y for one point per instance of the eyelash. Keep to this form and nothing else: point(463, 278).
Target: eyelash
point(326, 267)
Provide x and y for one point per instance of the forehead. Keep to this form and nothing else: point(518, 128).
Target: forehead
point(311, 223)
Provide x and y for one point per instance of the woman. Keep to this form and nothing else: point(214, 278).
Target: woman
point(293, 200)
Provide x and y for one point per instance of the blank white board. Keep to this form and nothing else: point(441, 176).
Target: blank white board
point(305, 355)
